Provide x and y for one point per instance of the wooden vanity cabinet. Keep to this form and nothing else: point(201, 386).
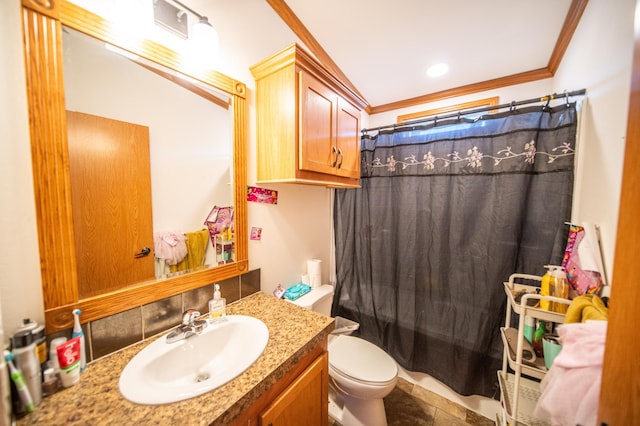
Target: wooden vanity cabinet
point(300, 397)
point(308, 122)
point(303, 402)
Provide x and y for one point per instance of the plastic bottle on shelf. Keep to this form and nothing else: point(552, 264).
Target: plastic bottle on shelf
point(546, 285)
point(560, 290)
point(529, 328)
point(24, 352)
point(541, 330)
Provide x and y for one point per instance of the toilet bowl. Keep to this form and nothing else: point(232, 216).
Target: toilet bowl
point(360, 373)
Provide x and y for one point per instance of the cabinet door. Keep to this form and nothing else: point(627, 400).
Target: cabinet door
point(318, 108)
point(348, 140)
point(305, 401)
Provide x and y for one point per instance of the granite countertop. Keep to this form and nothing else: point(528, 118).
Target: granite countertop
point(96, 399)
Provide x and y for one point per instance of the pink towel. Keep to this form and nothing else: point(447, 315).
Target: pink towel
point(169, 246)
point(571, 388)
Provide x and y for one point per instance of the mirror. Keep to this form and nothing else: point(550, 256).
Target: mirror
point(186, 138)
point(44, 40)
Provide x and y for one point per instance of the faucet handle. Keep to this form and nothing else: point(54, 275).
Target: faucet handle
point(189, 316)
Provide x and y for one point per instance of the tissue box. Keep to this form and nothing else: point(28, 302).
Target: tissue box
point(297, 291)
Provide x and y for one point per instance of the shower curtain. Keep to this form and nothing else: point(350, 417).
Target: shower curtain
point(444, 215)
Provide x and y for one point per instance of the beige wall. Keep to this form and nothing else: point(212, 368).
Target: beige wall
point(20, 285)
point(298, 227)
point(599, 58)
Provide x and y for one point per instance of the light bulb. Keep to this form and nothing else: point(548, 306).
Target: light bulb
point(205, 39)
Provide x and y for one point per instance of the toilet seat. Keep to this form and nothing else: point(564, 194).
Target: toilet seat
point(336, 374)
point(361, 361)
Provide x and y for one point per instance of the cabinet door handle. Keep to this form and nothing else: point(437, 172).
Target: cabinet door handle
point(144, 252)
point(341, 157)
point(335, 160)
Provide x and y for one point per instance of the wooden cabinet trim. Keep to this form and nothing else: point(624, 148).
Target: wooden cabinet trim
point(294, 54)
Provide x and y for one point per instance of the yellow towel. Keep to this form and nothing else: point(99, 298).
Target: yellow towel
point(587, 307)
point(196, 249)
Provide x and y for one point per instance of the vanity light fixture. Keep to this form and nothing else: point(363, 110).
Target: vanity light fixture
point(171, 18)
point(175, 19)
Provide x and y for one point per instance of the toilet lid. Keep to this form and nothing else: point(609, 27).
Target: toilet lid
point(357, 358)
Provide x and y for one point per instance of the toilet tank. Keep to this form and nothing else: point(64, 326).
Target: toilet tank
point(319, 299)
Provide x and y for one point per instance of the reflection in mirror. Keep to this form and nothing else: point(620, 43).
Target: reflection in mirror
point(43, 37)
point(143, 140)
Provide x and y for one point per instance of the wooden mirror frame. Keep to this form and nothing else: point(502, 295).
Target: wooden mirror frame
point(42, 31)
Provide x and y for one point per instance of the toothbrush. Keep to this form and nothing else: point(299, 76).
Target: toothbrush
point(77, 332)
point(18, 380)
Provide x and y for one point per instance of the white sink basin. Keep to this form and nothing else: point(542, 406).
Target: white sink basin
point(168, 372)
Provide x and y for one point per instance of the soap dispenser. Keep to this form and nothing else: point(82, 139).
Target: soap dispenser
point(560, 290)
point(217, 306)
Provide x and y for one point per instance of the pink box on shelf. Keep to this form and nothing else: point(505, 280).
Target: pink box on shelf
point(219, 222)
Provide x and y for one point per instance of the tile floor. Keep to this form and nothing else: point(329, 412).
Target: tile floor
point(412, 405)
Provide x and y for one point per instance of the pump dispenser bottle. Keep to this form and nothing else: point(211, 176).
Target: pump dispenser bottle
point(560, 290)
point(217, 306)
point(546, 285)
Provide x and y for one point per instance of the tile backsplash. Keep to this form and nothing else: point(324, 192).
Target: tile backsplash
point(118, 331)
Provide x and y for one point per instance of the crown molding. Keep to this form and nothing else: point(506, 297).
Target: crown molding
point(571, 21)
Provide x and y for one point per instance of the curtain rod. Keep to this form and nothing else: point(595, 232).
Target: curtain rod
point(461, 113)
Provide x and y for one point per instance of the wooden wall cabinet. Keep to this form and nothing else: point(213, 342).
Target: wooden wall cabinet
point(308, 122)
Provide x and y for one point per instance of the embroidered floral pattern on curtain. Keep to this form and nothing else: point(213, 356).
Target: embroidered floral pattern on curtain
point(473, 147)
point(445, 214)
point(474, 158)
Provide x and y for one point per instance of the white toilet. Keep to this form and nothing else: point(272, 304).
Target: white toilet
point(360, 373)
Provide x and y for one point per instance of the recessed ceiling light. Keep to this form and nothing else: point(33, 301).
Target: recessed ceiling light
point(437, 70)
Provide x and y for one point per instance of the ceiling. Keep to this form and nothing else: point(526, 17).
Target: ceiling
point(383, 48)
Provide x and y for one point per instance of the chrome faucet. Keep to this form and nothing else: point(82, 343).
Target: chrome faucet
point(190, 326)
